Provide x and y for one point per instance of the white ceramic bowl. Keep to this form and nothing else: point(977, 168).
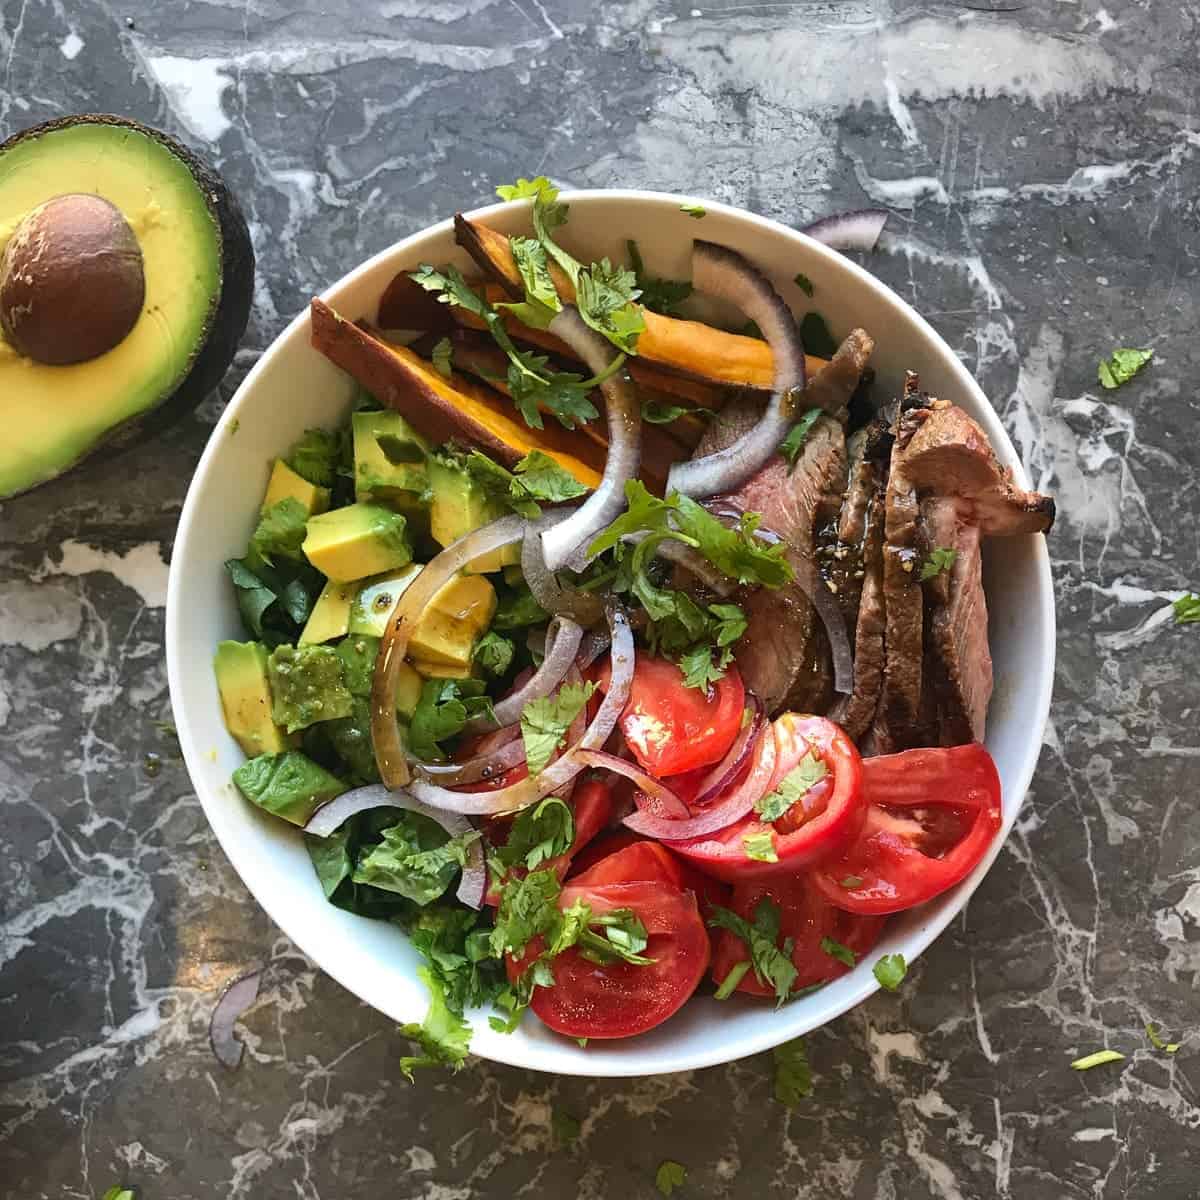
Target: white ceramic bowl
point(293, 387)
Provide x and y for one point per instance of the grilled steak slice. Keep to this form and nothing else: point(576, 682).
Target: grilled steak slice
point(834, 384)
point(949, 455)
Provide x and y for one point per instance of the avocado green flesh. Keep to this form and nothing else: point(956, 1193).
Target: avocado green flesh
point(54, 415)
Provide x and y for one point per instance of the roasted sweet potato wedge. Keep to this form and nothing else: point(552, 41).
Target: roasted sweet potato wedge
point(442, 408)
point(687, 348)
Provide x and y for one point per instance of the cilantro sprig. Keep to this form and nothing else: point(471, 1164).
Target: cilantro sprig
point(538, 834)
point(544, 722)
point(940, 560)
point(1187, 609)
point(772, 963)
point(793, 1075)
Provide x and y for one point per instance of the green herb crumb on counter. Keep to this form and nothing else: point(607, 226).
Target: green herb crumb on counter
point(670, 1177)
point(1121, 366)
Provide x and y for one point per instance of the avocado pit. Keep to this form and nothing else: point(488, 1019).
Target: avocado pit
point(72, 282)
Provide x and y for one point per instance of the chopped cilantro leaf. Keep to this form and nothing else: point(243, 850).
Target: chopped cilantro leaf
point(659, 413)
point(1097, 1060)
point(494, 653)
point(772, 964)
point(544, 722)
point(1121, 366)
point(538, 834)
point(1187, 609)
point(760, 846)
point(1157, 1042)
point(444, 1037)
point(694, 210)
point(669, 1176)
point(539, 476)
point(314, 457)
point(441, 356)
point(731, 623)
point(793, 1075)
point(890, 971)
point(534, 268)
point(280, 531)
point(118, 1193)
point(803, 282)
point(815, 336)
point(444, 708)
point(700, 669)
point(528, 909)
point(526, 189)
point(791, 445)
point(796, 784)
point(941, 558)
point(563, 1126)
point(836, 950)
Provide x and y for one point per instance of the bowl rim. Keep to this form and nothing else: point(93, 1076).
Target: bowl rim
point(510, 1049)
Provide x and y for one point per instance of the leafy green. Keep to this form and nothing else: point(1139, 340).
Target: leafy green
point(518, 610)
point(442, 357)
point(564, 1127)
point(358, 653)
point(804, 776)
point(760, 846)
point(254, 597)
point(288, 785)
point(416, 859)
point(534, 267)
point(525, 189)
point(314, 457)
point(659, 295)
point(793, 1075)
point(1157, 1042)
point(772, 964)
point(494, 653)
point(791, 445)
point(815, 336)
point(1187, 608)
point(1121, 366)
point(658, 413)
point(670, 1175)
point(538, 834)
point(622, 935)
point(729, 984)
point(280, 531)
point(836, 950)
point(803, 282)
point(528, 909)
point(444, 708)
point(544, 722)
point(694, 210)
point(1088, 1061)
point(890, 970)
point(700, 668)
point(458, 950)
point(350, 739)
point(307, 685)
point(118, 1193)
point(941, 558)
point(541, 478)
point(444, 1037)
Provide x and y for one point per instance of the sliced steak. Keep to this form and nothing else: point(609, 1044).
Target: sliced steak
point(834, 384)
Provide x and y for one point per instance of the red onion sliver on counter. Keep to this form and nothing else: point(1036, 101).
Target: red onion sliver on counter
point(564, 769)
point(566, 544)
point(237, 997)
point(665, 800)
point(856, 230)
point(562, 644)
point(721, 812)
point(721, 272)
point(730, 769)
point(385, 732)
point(331, 816)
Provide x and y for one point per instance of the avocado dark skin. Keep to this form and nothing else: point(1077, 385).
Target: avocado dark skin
point(232, 311)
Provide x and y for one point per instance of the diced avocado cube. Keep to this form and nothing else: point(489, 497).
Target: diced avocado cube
point(430, 670)
point(289, 785)
point(454, 619)
point(377, 599)
point(389, 459)
point(408, 690)
point(356, 541)
point(307, 685)
point(284, 483)
point(358, 656)
point(459, 504)
point(330, 617)
point(241, 669)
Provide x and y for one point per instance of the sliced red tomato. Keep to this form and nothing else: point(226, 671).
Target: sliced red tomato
point(602, 847)
point(672, 728)
point(818, 826)
point(930, 817)
point(648, 861)
point(806, 917)
point(620, 999)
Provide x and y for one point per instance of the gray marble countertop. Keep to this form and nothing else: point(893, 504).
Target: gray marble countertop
point(1041, 163)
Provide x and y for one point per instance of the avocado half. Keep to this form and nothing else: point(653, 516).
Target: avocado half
point(126, 276)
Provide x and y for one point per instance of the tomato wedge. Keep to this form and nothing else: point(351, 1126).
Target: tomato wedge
point(806, 917)
point(819, 825)
point(930, 817)
point(621, 999)
point(672, 728)
point(642, 860)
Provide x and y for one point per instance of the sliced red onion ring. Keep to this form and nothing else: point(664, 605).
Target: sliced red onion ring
point(548, 590)
point(808, 579)
point(721, 812)
point(238, 996)
point(562, 644)
point(731, 768)
point(719, 271)
point(575, 730)
point(385, 732)
point(564, 769)
point(487, 764)
point(691, 560)
point(331, 816)
point(665, 802)
point(566, 544)
point(594, 644)
point(856, 230)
